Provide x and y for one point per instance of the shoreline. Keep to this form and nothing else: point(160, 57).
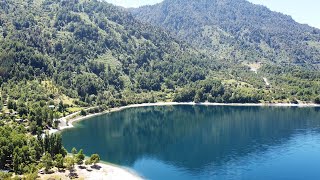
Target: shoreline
point(119, 172)
point(103, 172)
point(69, 123)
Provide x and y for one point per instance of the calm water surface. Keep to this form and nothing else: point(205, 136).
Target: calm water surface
point(206, 142)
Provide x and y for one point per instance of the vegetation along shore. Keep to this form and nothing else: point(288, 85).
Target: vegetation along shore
point(62, 61)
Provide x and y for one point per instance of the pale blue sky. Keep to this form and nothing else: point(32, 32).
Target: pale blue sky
point(303, 11)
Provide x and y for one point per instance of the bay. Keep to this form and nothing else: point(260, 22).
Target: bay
point(205, 142)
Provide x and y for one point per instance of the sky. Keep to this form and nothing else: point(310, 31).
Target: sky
point(302, 11)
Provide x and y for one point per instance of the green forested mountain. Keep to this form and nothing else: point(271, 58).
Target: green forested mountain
point(91, 48)
point(61, 56)
point(236, 30)
point(82, 52)
point(58, 56)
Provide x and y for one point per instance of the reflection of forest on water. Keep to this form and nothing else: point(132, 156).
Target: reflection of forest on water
point(189, 136)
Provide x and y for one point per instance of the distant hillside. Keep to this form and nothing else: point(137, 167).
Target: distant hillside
point(236, 30)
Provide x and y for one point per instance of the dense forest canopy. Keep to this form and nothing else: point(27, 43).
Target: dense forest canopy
point(62, 56)
point(236, 30)
point(84, 53)
point(92, 48)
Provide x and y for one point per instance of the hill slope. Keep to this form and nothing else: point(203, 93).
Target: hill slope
point(62, 56)
point(93, 53)
point(91, 48)
point(236, 30)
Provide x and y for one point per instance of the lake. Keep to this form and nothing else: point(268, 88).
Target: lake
point(205, 142)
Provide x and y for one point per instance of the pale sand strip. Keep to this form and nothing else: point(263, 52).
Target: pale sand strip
point(105, 172)
point(67, 122)
point(65, 125)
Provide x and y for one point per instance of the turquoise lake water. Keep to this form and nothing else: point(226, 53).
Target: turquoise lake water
point(206, 142)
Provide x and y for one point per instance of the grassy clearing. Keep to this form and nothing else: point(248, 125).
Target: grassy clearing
point(74, 109)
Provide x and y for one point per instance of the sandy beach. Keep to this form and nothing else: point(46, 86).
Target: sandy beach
point(103, 172)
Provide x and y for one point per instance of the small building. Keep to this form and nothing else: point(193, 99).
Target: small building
point(52, 106)
point(14, 113)
point(19, 120)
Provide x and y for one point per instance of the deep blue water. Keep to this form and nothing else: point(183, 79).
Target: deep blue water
point(206, 142)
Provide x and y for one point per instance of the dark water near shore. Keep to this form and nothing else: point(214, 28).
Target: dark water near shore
point(206, 142)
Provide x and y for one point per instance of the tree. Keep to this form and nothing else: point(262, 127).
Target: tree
point(11, 104)
point(87, 162)
point(198, 97)
point(74, 151)
point(58, 161)
point(80, 157)
point(21, 157)
point(95, 158)
point(317, 100)
point(2, 158)
point(17, 161)
point(1, 105)
point(61, 106)
point(83, 113)
point(47, 161)
point(69, 162)
point(64, 152)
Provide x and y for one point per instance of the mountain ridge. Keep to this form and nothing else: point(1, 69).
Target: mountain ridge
point(249, 32)
point(99, 54)
point(61, 57)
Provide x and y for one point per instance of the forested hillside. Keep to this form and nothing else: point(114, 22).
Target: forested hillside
point(82, 53)
point(91, 48)
point(236, 30)
point(78, 53)
point(58, 57)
